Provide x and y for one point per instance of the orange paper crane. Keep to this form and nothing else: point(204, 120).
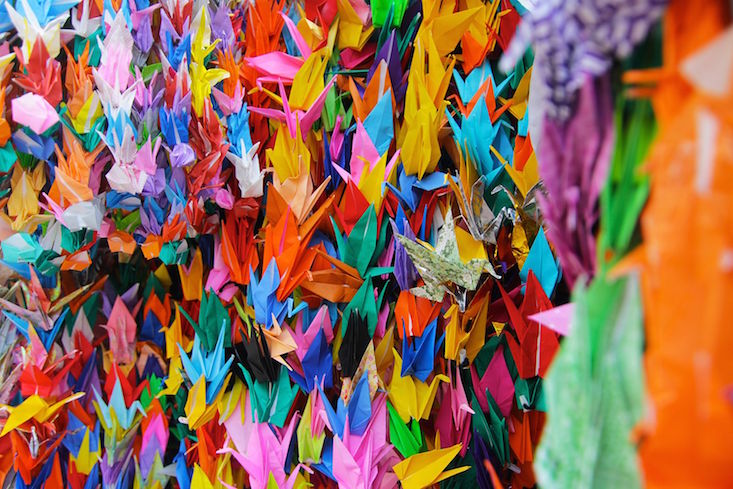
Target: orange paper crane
point(330, 279)
point(412, 314)
point(84, 104)
point(71, 184)
point(379, 85)
point(293, 218)
point(481, 37)
point(688, 281)
point(28, 466)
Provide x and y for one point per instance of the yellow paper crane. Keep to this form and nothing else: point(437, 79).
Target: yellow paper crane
point(410, 397)
point(174, 336)
point(426, 469)
point(34, 407)
point(308, 82)
point(202, 79)
point(424, 109)
point(456, 336)
point(372, 180)
point(444, 26)
point(289, 154)
point(351, 28)
point(23, 202)
point(198, 413)
point(85, 460)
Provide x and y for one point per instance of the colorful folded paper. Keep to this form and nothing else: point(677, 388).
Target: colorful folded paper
point(341, 243)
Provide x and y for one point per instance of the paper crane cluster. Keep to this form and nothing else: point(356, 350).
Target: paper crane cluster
point(305, 244)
